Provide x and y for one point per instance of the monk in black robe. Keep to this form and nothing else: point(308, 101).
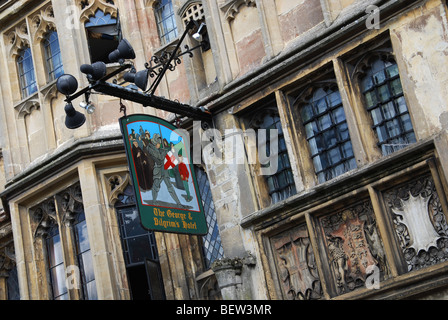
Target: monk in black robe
point(144, 166)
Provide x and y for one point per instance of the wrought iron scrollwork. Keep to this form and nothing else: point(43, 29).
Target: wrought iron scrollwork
point(167, 60)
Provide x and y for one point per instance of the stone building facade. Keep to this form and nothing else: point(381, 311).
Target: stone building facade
point(343, 198)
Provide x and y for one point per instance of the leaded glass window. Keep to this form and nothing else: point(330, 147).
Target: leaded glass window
point(12, 283)
point(56, 264)
point(280, 184)
point(166, 21)
point(53, 57)
point(143, 270)
point(138, 244)
point(384, 99)
point(27, 78)
point(327, 133)
point(84, 256)
point(212, 240)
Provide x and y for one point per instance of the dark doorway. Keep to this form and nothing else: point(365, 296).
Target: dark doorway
point(139, 250)
point(139, 288)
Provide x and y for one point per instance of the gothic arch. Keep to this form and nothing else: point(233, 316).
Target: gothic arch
point(17, 38)
point(365, 62)
point(192, 10)
point(232, 8)
point(42, 23)
point(90, 7)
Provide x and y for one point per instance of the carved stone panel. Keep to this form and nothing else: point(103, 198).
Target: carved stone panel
point(296, 265)
point(353, 246)
point(419, 222)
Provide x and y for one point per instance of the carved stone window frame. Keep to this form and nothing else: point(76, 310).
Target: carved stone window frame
point(362, 69)
point(164, 34)
point(303, 99)
point(352, 67)
point(58, 210)
point(251, 118)
point(87, 10)
point(192, 10)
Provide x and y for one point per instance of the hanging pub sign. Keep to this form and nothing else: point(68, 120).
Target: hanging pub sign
point(163, 176)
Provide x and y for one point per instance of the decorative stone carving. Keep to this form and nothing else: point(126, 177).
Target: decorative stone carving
point(26, 106)
point(231, 7)
point(7, 259)
point(419, 222)
point(49, 92)
point(17, 38)
point(71, 203)
point(414, 215)
point(353, 244)
point(191, 10)
point(45, 217)
point(42, 22)
point(90, 7)
point(256, 119)
point(209, 288)
point(229, 274)
point(296, 265)
point(364, 63)
point(117, 183)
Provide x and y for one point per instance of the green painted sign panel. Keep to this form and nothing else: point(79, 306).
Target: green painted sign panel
point(163, 175)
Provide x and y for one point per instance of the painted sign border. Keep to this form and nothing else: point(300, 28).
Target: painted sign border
point(164, 218)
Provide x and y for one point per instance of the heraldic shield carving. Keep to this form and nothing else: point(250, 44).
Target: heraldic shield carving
point(419, 222)
point(353, 245)
point(296, 266)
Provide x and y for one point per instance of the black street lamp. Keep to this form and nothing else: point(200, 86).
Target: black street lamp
point(155, 68)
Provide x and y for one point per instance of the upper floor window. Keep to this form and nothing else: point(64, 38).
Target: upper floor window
point(281, 183)
point(27, 78)
point(103, 35)
point(384, 99)
point(323, 118)
point(53, 57)
point(274, 173)
point(166, 22)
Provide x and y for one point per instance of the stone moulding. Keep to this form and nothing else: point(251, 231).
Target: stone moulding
point(232, 7)
point(90, 9)
point(17, 39)
point(42, 23)
point(25, 107)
